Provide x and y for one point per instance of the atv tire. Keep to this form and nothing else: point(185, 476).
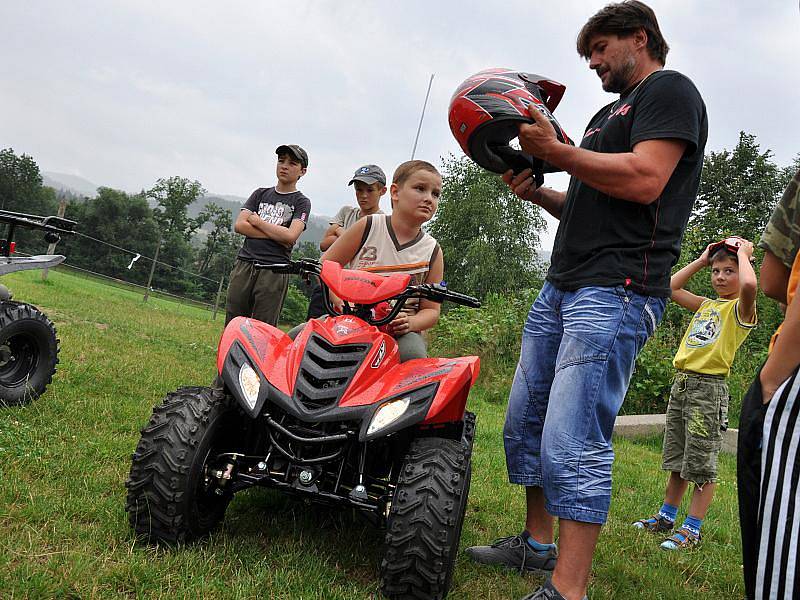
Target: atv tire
point(167, 499)
point(28, 352)
point(425, 520)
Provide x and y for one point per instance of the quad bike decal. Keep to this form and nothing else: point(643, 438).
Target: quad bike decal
point(333, 417)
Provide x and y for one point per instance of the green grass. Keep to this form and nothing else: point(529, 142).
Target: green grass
point(65, 457)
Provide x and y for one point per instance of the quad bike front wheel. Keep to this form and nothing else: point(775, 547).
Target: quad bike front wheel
point(28, 352)
point(426, 516)
point(169, 496)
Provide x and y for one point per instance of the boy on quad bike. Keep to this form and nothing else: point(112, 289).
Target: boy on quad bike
point(332, 416)
point(396, 243)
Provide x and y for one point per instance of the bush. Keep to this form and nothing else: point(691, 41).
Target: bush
point(493, 332)
point(295, 307)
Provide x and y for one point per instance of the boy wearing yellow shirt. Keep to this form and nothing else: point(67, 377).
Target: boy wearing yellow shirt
point(698, 403)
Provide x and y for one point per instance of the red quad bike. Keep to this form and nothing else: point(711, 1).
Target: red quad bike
point(333, 417)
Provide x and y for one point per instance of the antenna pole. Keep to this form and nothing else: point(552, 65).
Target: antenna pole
point(422, 116)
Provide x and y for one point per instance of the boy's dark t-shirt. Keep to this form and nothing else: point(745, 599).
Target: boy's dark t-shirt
point(278, 209)
point(605, 241)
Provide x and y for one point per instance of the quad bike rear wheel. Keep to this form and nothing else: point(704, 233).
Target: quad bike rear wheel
point(169, 499)
point(28, 352)
point(426, 516)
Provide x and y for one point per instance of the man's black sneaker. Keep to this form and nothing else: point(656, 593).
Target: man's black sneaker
point(514, 552)
point(547, 592)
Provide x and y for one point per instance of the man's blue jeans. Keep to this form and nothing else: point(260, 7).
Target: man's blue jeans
point(578, 354)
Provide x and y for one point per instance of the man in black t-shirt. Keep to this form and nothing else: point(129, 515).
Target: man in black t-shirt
point(272, 219)
point(634, 181)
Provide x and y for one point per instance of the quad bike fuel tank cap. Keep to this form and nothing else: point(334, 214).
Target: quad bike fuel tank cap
point(306, 477)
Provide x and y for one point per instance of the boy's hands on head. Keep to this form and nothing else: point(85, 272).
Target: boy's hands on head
point(746, 249)
point(705, 254)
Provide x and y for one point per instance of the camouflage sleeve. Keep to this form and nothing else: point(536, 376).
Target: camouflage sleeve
point(782, 234)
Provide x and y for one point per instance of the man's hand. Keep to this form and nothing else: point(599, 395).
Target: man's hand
point(253, 219)
point(522, 185)
point(537, 138)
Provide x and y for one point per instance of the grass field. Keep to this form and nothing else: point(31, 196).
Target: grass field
point(65, 457)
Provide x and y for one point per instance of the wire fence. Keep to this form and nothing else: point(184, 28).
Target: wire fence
point(148, 289)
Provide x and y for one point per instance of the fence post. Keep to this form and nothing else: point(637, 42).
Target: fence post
point(216, 301)
point(62, 207)
point(152, 269)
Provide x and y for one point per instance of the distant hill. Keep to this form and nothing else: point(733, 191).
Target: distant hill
point(72, 184)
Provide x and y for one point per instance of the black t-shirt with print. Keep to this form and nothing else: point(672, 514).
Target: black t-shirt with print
point(278, 209)
point(605, 241)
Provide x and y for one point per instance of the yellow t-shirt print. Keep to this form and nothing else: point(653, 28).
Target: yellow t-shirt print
point(705, 328)
point(712, 338)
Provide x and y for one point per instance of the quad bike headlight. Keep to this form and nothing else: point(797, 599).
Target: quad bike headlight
point(388, 414)
point(249, 383)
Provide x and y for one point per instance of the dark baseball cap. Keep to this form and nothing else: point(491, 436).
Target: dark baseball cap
point(294, 150)
point(369, 174)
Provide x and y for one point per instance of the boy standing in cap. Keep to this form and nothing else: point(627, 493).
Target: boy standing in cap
point(271, 220)
point(370, 184)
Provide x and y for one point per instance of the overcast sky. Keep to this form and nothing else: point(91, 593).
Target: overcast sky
point(123, 93)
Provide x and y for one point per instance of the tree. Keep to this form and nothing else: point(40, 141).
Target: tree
point(489, 236)
point(116, 217)
point(21, 190)
point(172, 197)
point(220, 241)
point(738, 191)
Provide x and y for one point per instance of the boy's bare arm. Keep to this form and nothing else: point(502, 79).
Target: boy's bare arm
point(283, 235)
point(346, 246)
point(685, 298)
point(748, 283)
point(785, 355)
point(331, 235)
point(428, 314)
point(244, 227)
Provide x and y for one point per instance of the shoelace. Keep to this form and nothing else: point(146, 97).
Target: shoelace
point(514, 541)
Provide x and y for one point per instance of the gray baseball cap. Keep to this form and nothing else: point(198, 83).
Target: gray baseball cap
point(369, 174)
point(295, 151)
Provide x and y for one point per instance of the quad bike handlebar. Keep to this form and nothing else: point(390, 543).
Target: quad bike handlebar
point(53, 226)
point(51, 223)
point(436, 292)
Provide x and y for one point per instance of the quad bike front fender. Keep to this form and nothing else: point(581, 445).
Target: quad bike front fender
point(265, 346)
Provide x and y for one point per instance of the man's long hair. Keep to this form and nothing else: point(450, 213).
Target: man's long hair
point(623, 19)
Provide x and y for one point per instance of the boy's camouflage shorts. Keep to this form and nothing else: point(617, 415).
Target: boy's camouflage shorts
point(697, 414)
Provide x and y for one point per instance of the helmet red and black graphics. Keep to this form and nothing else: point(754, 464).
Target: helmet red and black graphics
point(485, 113)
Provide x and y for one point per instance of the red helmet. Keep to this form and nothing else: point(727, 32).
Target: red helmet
point(485, 113)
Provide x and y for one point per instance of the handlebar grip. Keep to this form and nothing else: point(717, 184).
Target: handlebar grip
point(463, 299)
point(439, 293)
point(278, 267)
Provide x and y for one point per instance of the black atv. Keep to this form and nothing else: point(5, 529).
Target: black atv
point(28, 343)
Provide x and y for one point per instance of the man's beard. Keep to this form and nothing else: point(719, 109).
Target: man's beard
point(619, 79)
